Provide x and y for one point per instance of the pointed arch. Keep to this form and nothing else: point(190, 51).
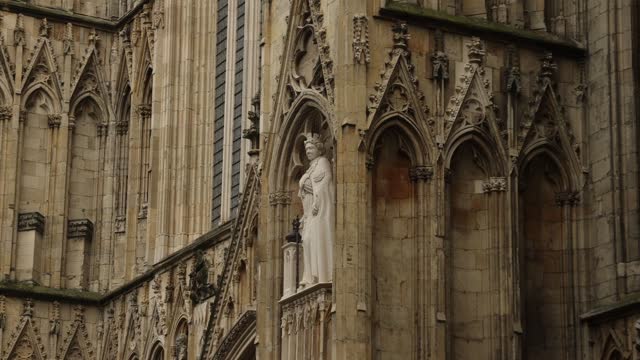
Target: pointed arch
point(42, 71)
point(418, 151)
point(470, 116)
point(311, 110)
point(7, 74)
point(26, 344)
point(76, 345)
point(143, 70)
point(613, 347)
point(88, 82)
point(546, 131)
point(157, 352)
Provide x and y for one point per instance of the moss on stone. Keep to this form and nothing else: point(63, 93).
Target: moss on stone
point(429, 17)
point(46, 293)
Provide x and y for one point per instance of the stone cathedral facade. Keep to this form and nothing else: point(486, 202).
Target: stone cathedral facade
point(471, 167)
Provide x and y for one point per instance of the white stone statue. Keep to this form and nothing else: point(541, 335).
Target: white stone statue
point(318, 221)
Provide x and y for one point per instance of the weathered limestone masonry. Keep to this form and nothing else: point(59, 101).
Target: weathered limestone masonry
point(486, 164)
point(484, 154)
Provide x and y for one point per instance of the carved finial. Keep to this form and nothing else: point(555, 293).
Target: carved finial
point(548, 67)
point(67, 42)
point(114, 52)
point(27, 308)
point(400, 36)
point(361, 52)
point(94, 38)
point(476, 51)
point(54, 322)
point(439, 59)
point(45, 28)
point(18, 32)
point(513, 79)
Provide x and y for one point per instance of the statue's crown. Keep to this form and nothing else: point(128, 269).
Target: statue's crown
point(312, 138)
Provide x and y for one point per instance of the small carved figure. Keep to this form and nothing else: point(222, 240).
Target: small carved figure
point(317, 194)
point(199, 279)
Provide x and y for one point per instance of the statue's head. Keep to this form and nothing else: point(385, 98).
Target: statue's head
point(313, 146)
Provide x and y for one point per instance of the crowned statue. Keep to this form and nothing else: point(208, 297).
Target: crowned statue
point(318, 222)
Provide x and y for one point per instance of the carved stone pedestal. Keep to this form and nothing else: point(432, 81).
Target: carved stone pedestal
point(290, 281)
point(306, 324)
point(30, 234)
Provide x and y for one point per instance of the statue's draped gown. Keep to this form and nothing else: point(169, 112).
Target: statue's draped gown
point(317, 231)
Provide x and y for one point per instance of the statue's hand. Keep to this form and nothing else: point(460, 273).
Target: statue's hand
point(315, 209)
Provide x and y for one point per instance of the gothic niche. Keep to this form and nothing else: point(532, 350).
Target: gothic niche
point(545, 262)
point(470, 285)
point(36, 121)
point(311, 186)
point(394, 248)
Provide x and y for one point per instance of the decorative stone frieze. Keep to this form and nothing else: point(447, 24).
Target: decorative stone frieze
point(31, 221)
point(494, 184)
point(421, 173)
point(361, 51)
point(305, 316)
point(144, 111)
point(103, 129)
point(279, 198)
point(567, 198)
point(82, 228)
point(5, 113)
point(54, 121)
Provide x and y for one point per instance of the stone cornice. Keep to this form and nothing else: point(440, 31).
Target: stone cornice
point(63, 16)
point(44, 293)
point(629, 305)
point(422, 17)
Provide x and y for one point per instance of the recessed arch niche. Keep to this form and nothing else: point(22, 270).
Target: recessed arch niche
point(35, 157)
point(472, 290)
point(545, 258)
point(394, 251)
point(84, 160)
point(308, 116)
